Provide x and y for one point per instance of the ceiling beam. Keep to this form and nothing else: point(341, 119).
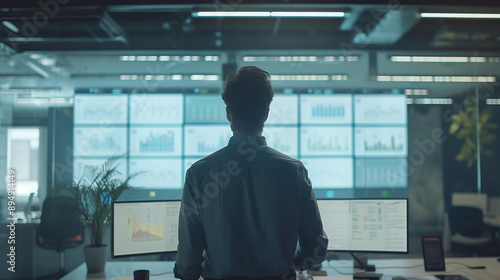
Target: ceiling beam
point(351, 19)
point(390, 29)
point(276, 27)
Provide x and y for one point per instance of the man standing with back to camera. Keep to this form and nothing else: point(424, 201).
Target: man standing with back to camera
point(245, 206)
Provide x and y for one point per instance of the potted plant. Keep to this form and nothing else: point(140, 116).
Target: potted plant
point(95, 191)
point(465, 126)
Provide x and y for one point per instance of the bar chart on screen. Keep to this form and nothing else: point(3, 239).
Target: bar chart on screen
point(329, 140)
point(205, 109)
point(283, 139)
point(381, 141)
point(326, 109)
point(156, 141)
point(381, 173)
point(93, 141)
point(202, 140)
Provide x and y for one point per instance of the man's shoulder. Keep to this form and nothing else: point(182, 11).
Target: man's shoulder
point(209, 159)
point(268, 154)
point(281, 158)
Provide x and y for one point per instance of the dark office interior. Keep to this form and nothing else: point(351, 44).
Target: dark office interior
point(441, 60)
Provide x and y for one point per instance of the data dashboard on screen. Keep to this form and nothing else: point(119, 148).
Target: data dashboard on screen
point(365, 225)
point(353, 145)
point(144, 227)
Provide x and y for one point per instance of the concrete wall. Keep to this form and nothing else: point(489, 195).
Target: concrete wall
point(425, 169)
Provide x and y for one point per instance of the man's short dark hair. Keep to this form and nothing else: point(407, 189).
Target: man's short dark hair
point(248, 94)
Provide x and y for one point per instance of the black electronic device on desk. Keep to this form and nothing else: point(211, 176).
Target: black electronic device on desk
point(362, 225)
point(370, 276)
point(432, 249)
point(451, 277)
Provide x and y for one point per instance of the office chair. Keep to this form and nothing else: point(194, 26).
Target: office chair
point(60, 226)
point(470, 199)
point(468, 230)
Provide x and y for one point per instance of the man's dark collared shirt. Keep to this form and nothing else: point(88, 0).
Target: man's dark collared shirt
point(243, 210)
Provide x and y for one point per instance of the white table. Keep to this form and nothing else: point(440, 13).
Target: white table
point(492, 220)
point(414, 268)
point(409, 268)
point(124, 270)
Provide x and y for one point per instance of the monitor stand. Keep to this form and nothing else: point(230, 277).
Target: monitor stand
point(361, 262)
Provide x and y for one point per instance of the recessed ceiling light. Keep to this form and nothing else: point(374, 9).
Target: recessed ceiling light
point(10, 26)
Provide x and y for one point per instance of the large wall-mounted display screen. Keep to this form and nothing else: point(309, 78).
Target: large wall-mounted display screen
point(353, 145)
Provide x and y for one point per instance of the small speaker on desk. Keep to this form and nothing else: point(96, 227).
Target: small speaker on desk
point(141, 274)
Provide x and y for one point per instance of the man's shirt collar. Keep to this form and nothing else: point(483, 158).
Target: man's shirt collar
point(249, 139)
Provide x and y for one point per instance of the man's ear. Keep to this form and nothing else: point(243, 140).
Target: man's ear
point(267, 115)
point(228, 114)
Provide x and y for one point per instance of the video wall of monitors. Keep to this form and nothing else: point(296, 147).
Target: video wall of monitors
point(353, 145)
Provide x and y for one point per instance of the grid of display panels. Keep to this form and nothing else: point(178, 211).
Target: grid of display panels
point(353, 145)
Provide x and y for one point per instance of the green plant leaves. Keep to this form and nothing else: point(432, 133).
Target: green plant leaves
point(465, 126)
point(95, 192)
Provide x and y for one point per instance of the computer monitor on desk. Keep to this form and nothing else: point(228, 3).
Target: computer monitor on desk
point(144, 227)
point(366, 225)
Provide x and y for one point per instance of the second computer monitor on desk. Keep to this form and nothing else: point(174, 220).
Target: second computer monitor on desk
point(144, 227)
point(366, 225)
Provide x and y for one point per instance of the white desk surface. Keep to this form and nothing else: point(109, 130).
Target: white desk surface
point(492, 220)
point(406, 267)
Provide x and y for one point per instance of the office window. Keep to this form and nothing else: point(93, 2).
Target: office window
point(23, 158)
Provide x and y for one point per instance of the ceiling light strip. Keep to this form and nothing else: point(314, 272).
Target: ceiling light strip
point(460, 15)
point(301, 58)
point(37, 101)
point(309, 77)
point(310, 14)
point(206, 77)
point(437, 79)
point(176, 77)
point(231, 14)
point(186, 58)
point(410, 91)
point(17, 91)
point(493, 101)
point(45, 100)
point(429, 101)
point(307, 14)
point(475, 59)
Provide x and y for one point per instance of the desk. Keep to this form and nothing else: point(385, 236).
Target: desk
point(119, 270)
point(414, 268)
point(492, 220)
point(124, 270)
